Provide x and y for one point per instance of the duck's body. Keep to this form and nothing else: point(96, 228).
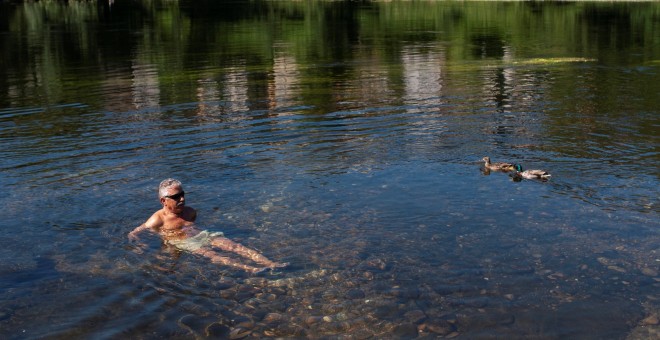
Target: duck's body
point(501, 166)
point(530, 174)
point(534, 174)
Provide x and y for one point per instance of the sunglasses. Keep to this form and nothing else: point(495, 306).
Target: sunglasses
point(177, 196)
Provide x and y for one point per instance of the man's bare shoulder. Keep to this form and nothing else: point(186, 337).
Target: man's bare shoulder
point(156, 220)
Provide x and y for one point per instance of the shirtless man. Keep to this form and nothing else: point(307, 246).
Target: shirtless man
point(175, 224)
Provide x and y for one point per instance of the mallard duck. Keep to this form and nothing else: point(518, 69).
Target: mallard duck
point(530, 174)
point(498, 166)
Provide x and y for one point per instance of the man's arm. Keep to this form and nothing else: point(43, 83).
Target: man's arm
point(154, 222)
point(133, 234)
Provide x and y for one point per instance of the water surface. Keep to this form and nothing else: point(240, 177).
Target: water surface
point(345, 138)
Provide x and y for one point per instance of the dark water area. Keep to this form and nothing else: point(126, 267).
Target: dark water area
point(345, 138)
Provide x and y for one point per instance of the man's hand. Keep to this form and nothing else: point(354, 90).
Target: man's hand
point(132, 236)
point(134, 239)
point(138, 246)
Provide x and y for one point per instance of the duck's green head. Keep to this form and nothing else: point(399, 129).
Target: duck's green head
point(518, 167)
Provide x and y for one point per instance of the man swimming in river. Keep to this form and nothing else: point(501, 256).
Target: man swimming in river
point(175, 223)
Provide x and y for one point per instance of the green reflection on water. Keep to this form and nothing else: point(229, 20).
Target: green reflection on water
point(61, 47)
point(337, 56)
point(334, 56)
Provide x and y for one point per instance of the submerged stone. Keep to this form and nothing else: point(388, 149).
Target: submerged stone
point(438, 326)
point(405, 331)
point(217, 330)
point(239, 333)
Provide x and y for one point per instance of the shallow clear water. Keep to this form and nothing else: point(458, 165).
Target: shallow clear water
point(345, 139)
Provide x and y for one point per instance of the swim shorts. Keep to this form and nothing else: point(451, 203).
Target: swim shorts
point(195, 242)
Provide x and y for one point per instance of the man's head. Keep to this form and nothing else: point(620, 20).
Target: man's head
point(171, 194)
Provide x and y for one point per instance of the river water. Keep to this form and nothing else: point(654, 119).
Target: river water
point(345, 138)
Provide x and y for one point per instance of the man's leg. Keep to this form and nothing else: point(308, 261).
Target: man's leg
point(229, 245)
point(217, 258)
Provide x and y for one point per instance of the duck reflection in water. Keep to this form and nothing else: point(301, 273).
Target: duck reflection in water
point(175, 223)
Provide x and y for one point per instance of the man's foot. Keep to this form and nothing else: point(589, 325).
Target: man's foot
point(279, 265)
point(256, 270)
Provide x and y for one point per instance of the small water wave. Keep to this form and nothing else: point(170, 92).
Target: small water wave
point(10, 113)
